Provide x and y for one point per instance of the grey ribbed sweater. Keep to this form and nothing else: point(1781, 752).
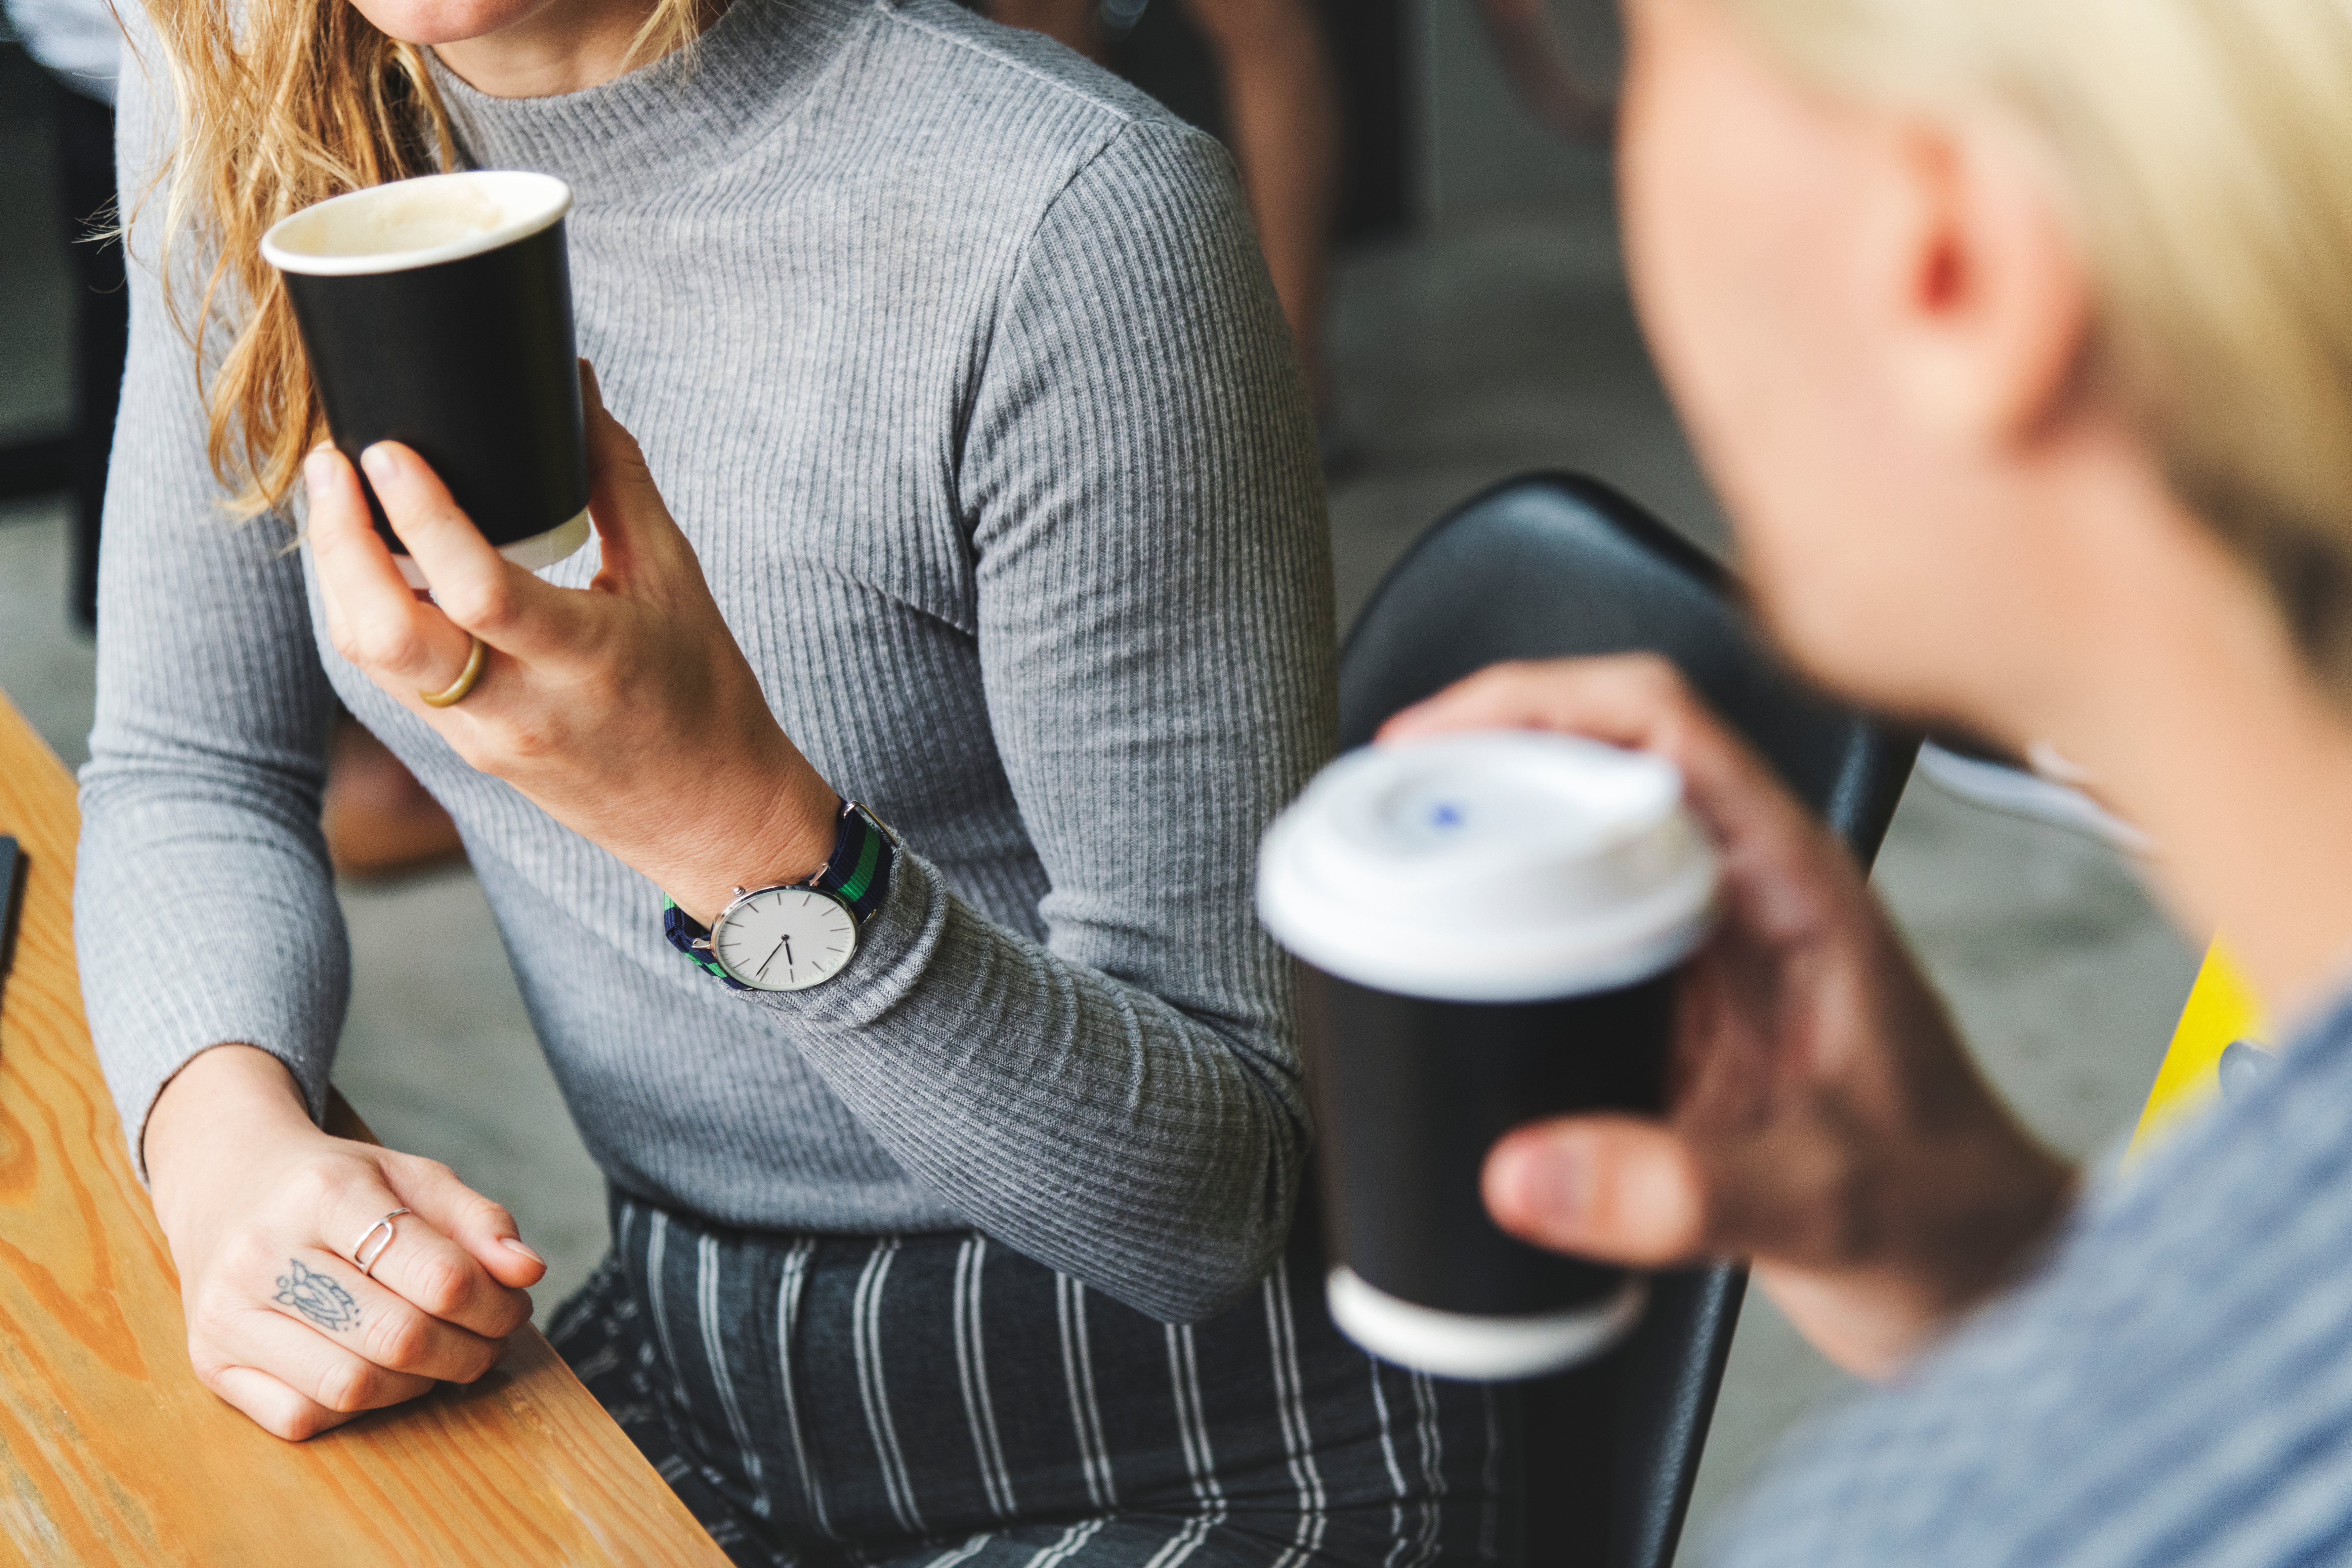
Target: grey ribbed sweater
point(957, 360)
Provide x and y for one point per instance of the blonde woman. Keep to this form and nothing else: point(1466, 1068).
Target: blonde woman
point(973, 489)
point(2018, 334)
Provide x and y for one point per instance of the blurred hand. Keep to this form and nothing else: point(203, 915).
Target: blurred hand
point(625, 710)
point(1825, 1121)
point(261, 1208)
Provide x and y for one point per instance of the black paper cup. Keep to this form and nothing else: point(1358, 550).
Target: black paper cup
point(438, 312)
point(1492, 928)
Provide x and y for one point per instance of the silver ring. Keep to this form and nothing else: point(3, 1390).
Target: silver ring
point(367, 1264)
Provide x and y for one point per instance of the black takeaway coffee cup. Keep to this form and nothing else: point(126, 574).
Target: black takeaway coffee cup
point(438, 312)
point(1492, 925)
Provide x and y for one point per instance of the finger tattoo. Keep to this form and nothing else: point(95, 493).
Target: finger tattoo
point(317, 1296)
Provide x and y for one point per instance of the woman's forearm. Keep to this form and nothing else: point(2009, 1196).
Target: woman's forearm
point(1105, 1131)
point(204, 906)
point(231, 1091)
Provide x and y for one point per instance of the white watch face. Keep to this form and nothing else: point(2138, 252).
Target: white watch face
point(784, 939)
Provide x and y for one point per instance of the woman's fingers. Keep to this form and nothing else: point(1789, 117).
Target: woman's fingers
point(326, 478)
point(420, 1263)
point(283, 1323)
point(373, 1321)
point(634, 526)
point(373, 616)
point(1639, 700)
point(1776, 853)
point(1628, 700)
point(426, 1267)
point(478, 1228)
point(326, 1367)
point(1650, 1196)
point(273, 1406)
point(475, 587)
point(1608, 1187)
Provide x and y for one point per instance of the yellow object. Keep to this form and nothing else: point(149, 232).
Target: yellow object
point(457, 688)
point(2221, 1007)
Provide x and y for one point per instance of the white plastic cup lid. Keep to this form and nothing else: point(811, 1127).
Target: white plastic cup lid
point(415, 223)
point(1503, 865)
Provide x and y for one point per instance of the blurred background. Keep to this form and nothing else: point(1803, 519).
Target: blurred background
point(1476, 325)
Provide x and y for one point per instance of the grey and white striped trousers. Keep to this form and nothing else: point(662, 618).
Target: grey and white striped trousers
point(940, 1401)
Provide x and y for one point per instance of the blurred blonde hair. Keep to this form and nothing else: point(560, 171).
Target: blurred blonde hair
point(2204, 151)
point(282, 103)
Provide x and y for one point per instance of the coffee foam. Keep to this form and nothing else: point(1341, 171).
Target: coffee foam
point(415, 223)
point(1502, 867)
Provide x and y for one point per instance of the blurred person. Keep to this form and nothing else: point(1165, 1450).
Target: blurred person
point(1284, 111)
point(2017, 338)
point(1529, 47)
point(926, 494)
point(77, 42)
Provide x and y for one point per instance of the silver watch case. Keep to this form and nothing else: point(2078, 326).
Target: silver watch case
point(744, 896)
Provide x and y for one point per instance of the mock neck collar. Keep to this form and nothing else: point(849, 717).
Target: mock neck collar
point(747, 71)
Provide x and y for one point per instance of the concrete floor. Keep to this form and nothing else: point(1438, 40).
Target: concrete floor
point(1498, 341)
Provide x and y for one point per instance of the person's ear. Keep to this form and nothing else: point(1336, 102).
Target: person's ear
point(1987, 306)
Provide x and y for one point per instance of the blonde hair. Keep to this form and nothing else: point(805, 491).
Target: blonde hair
point(283, 104)
point(2200, 148)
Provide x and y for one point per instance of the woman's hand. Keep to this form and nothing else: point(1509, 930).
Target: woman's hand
point(260, 1208)
point(1825, 1119)
point(626, 712)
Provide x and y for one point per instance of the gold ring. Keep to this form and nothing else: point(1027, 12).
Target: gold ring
point(456, 692)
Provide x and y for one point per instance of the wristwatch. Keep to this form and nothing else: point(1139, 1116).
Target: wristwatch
point(795, 935)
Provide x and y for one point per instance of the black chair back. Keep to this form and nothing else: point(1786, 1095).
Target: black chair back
point(1554, 564)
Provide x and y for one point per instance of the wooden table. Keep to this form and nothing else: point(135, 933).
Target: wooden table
point(111, 1451)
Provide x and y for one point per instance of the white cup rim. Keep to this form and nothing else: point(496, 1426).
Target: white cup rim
point(536, 201)
point(1481, 1348)
point(1517, 910)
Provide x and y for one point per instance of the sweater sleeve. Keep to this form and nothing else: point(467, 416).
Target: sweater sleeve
point(204, 908)
point(1122, 1101)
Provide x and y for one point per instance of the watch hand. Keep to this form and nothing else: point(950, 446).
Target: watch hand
point(761, 972)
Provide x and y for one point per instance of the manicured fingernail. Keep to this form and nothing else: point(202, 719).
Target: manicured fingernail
point(381, 465)
point(515, 1244)
point(315, 472)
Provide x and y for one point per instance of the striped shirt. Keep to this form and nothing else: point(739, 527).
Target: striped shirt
point(2173, 1387)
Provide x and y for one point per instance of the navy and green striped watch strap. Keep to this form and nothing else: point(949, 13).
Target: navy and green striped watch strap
point(683, 932)
point(859, 871)
point(858, 874)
